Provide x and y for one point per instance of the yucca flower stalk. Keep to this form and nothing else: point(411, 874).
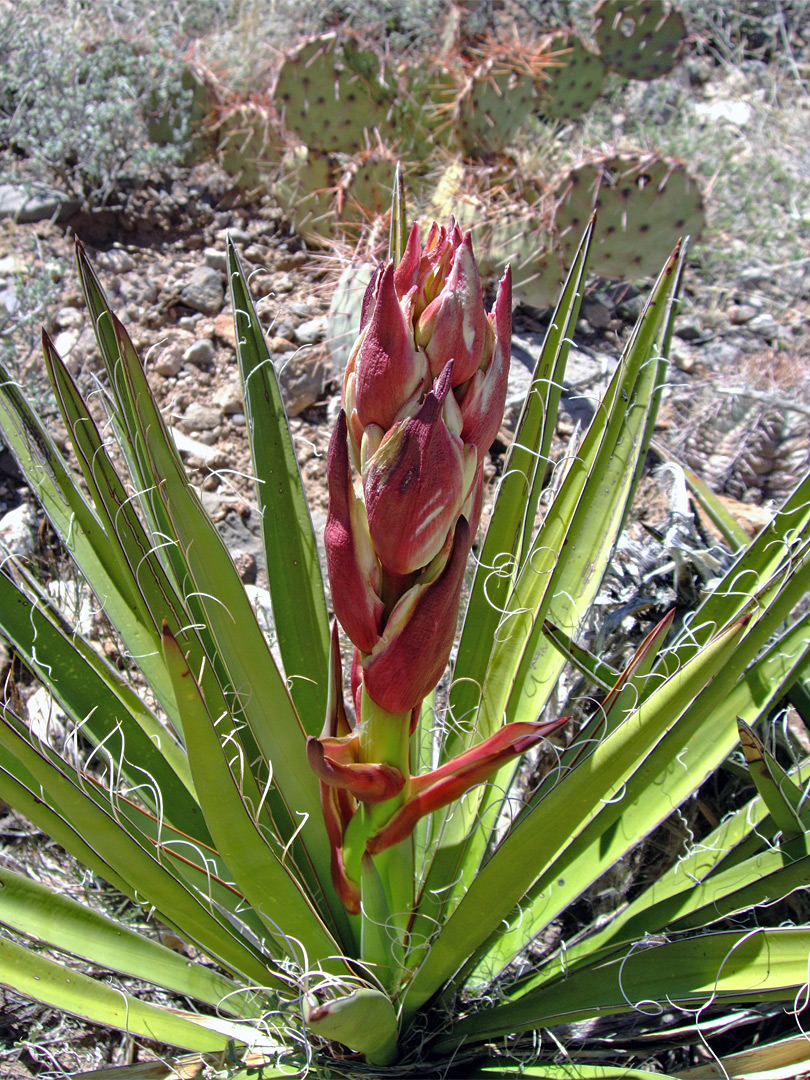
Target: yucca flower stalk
point(423, 399)
point(239, 804)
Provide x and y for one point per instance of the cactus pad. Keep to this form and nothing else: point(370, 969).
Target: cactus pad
point(496, 101)
point(639, 39)
point(306, 192)
point(644, 205)
point(521, 240)
point(330, 95)
point(570, 86)
point(365, 192)
point(248, 144)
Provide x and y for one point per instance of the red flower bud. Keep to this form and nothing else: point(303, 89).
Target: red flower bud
point(388, 370)
point(455, 326)
point(415, 485)
point(353, 568)
point(415, 646)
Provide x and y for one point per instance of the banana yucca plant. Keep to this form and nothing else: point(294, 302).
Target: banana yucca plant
point(362, 885)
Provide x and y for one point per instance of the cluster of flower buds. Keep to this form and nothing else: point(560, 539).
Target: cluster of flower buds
point(423, 399)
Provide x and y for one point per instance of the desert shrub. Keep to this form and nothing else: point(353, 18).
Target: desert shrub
point(74, 105)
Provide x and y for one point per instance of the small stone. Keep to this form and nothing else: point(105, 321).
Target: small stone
point(284, 284)
point(238, 419)
point(290, 260)
point(229, 398)
point(246, 566)
point(70, 318)
point(733, 112)
point(12, 264)
point(36, 202)
point(201, 417)
point(201, 353)
point(311, 331)
point(224, 329)
point(688, 328)
point(203, 291)
point(115, 261)
point(255, 253)
point(630, 308)
point(261, 284)
point(278, 344)
point(64, 341)
point(192, 448)
point(683, 362)
point(739, 314)
point(216, 258)
point(238, 235)
point(167, 357)
point(720, 354)
point(765, 326)
point(597, 310)
point(9, 300)
point(302, 379)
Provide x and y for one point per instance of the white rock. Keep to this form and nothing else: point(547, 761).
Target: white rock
point(18, 530)
point(735, 112)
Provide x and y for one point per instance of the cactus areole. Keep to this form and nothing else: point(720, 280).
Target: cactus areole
point(423, 399)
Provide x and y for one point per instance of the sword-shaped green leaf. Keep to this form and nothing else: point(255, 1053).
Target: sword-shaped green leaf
point(742, 966)
point(291, 552)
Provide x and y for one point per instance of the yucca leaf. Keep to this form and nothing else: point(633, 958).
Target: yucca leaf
point(741, 966)
point(704, 736)
point(597, 671)
point(786, 801)
point(509, 531)
point(291, 553)
point(254, 683)
point(732, 532)
point(77, 525)
point(71, 991)
point(117, 854)
point(755, 573)
point(96, 697)
point(574, 1071)
point(30, 908)
point(559, 577)
point(786, 1059)
point(266, 877)
point(512, 520)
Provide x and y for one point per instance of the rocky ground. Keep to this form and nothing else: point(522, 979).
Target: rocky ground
point(737, 408)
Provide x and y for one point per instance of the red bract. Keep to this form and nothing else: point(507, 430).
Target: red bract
point(418, 478)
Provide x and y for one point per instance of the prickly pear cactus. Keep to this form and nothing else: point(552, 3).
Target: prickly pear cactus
point(365, 191)
point(305, 191)
point(330, 94)
point(496, 101)
point(521, 239)
point(425, 110)
point(248, 144)
point(639, 39)
point(643, 203)
point(573, 82)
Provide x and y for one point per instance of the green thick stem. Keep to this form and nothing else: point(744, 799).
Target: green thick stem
point(387, 878)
